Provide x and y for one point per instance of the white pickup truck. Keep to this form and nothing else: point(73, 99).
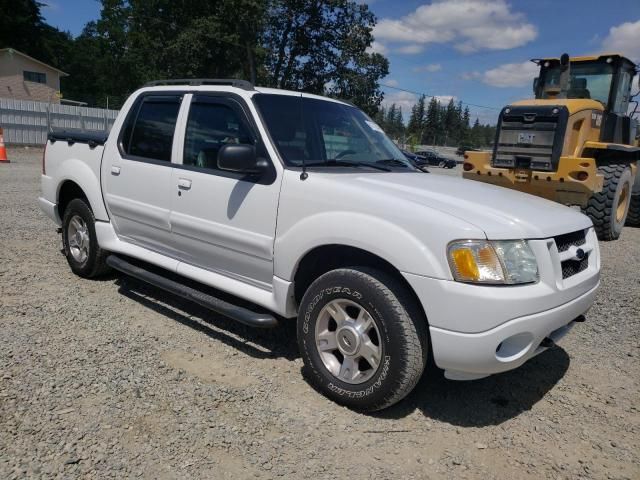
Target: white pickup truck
point(299, 206)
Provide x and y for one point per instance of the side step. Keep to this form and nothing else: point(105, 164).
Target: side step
point(240, 314)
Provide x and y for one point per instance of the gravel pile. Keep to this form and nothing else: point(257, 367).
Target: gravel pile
point(113, 378)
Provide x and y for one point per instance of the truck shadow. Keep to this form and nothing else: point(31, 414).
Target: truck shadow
point(279, 342)
point(489, 401)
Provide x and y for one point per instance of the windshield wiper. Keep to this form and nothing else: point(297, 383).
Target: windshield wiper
point(394, 162)
point(343, 163)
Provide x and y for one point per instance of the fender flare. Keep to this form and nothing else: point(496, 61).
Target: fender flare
point(374, 235)
point(81, 174)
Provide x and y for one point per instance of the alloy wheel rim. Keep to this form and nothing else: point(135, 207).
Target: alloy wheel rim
point(78, 239)
point(348, 341)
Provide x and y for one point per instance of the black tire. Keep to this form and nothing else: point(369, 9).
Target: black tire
point(633, 217)
point(94, 265)
point(403, 337)
point(603, 207)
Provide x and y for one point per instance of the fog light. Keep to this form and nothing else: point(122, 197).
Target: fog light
point(467, 167)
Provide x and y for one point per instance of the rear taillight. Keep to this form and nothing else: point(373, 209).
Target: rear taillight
point(467, 167)
point(44, 171)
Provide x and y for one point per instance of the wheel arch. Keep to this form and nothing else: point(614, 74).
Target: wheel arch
point(325, 258)
point(78, 178)
point(68, 191)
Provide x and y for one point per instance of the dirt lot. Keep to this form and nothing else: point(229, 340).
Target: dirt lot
point(112, 378)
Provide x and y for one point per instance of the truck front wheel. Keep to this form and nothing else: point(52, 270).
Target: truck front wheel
point(363, 338)
point(608, 209)
point(84, 255)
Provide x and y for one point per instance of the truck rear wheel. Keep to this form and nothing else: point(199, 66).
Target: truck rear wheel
point(363, 338)
point(80, 242)
point(608, 209)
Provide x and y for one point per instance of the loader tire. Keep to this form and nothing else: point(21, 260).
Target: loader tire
point(633, 217)
point(608, 209)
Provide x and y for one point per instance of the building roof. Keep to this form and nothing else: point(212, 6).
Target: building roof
point(14, 51)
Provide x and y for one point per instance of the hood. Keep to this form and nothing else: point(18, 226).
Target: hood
point(573, 104)
point(501, 213)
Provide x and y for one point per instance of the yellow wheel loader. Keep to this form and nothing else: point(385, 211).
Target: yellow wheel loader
point(575, 143)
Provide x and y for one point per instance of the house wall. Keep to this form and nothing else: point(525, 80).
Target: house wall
point(12, 82)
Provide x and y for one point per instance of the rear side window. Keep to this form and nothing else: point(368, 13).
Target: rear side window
point(149, 131)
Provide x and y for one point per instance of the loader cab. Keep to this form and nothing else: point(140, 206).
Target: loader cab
point(607, 79)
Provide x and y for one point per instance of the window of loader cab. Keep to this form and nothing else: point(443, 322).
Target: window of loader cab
point(149, 130)
point(211, 126)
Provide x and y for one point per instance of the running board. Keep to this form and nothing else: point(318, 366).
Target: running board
point(240, 314)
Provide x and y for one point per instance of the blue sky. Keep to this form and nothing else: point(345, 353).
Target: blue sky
point(476, 51)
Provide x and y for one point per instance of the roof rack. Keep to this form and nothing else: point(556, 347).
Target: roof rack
point(194, 82)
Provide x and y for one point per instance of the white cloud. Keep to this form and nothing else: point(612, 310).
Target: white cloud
point(470, 25)
point(391, 82)
point(511, 75)
point(432, 67)
point(377, 47)
point(624, 39)
point(411, 49)
point(471, 75)
point(405, 100)
point(445, 99)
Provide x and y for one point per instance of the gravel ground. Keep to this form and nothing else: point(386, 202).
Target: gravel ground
point(112, 378)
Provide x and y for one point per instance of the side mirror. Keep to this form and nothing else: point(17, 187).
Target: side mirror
point(535, 84)
point(241, 158)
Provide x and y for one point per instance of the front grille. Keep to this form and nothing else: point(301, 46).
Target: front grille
point(573, 267)
point(530, 137)
point(573, 239)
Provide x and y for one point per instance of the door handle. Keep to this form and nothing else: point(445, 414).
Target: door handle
point(184, 183)
point(115, 170)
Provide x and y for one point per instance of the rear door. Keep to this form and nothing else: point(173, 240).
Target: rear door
point(136, 173)
point(223, 221)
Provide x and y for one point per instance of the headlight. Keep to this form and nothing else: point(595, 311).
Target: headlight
point(508, 262)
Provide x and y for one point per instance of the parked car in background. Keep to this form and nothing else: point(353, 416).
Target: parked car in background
point(435, 159)
point(465, 148)
point(418, 160)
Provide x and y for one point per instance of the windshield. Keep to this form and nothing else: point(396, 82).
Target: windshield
point(322, 132)
point(587, 80)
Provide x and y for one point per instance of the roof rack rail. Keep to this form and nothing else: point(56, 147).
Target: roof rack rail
point(194, 82)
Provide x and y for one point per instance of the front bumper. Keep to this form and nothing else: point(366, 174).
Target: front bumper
point(562, 186)
point(468, 356)
point(478, 330)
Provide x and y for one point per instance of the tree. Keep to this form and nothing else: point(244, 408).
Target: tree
point(22, 28)
point(320, 46)
point(417, 119)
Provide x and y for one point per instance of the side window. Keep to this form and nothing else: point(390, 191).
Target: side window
point(210, 126)
point(149, 132)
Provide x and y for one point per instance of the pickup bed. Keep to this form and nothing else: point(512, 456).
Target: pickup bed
point(267, 205)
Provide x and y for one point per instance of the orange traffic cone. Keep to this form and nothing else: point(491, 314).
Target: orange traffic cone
point(3, 150)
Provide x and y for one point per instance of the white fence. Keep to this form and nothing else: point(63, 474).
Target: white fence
point(27, 123)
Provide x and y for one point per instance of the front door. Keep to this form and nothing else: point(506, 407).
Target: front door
point(136, 172)
point(223, 221)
